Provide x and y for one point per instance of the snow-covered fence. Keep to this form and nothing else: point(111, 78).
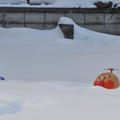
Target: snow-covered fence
point(103, 20)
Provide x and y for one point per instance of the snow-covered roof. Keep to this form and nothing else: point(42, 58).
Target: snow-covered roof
point(54, 3)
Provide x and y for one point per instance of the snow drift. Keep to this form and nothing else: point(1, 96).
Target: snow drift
point(29, 54)
point(49, 77)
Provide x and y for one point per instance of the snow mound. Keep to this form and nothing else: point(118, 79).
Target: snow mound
point(51, 78)
point(65, 20)
point(44, 55)
point(92, 37)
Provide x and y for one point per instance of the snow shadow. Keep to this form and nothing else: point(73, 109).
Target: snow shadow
point(10, 108)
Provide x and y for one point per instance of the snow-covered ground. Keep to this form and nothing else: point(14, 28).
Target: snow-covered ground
point(51, 78)
point(54, 3)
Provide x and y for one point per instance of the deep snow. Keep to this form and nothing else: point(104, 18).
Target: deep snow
point(49, 77)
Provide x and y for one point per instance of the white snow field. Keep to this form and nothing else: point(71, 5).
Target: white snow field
point(51, 78)
point(54, 3)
